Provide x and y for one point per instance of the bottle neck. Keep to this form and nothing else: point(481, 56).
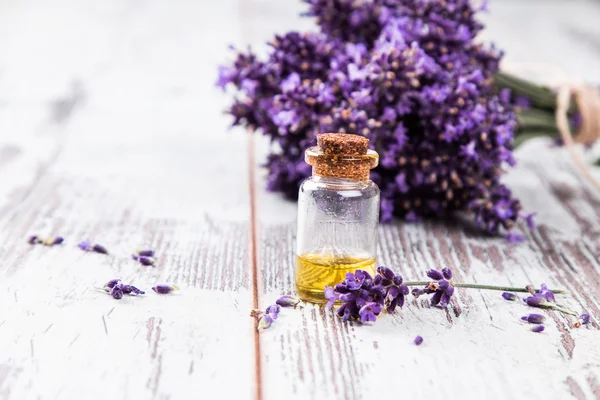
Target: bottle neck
point(340, 181)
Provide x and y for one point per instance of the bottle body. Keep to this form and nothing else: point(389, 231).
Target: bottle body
point(337, 232)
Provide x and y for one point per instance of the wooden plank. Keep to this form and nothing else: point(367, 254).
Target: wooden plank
point(111, 129)
point(479, 347)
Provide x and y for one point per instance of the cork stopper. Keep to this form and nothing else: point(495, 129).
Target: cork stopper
point(341, 155)
point(342, 144)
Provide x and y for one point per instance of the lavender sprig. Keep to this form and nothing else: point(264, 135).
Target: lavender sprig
point(363, 297)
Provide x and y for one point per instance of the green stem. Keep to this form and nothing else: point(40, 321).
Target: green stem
point(563, 310)
point(488, 287)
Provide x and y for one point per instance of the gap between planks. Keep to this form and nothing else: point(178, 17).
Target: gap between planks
point(254, 267)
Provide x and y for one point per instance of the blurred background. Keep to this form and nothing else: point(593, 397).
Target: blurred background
point(126, 88)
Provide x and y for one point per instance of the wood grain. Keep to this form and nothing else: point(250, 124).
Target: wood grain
point(479, 347)
point(111, 129)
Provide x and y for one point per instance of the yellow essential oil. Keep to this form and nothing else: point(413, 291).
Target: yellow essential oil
point(315, 271)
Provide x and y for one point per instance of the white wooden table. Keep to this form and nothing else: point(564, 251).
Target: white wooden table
point(111, 129)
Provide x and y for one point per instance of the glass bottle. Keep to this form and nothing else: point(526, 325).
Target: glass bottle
point(338, 214)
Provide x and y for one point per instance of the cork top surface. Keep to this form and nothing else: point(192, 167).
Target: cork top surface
point(342, 144)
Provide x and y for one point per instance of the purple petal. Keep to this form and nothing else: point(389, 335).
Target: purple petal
point(434, 274)
point(386, 272)
point(538, 328)
point(509, 296)
point(447, 272)
point(287, 301)
point(585, 318)
point(534, 318)
point(265, 321)
point(99, 249)
point(418, 340)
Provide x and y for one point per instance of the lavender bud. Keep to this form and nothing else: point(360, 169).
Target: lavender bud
point(146, 260)
point(99, 249)
point(164, 289)
point(145, 253)
point(58, 240)
point(534, 301)
point(534, 318)
point(129, 289)
point(33, 239)
point(341, 288)
point(85, 245)
point(377, 280)
point(286, 301)
point(447, 273)
point(434, 274)
point(418, 340)
point(111, 284)
point(418, 292)
point(117, 291)
point(273, 311)
point(397, 280)
point(265, 321)
point(386, 272)
point(509, 296)
point(537, 328)
point(585, 318)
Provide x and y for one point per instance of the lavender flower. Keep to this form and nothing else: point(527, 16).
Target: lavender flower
point(144, 260)
point(287, 301)
point(545, 293)
point(583, 319)
point(145, 253)
point(410, 76)
point(534, 318)
point(132, 290)
point(87, 245)
point(369, 312)
point(110, 284)
point(538, 328)
point(418, 340)
point(441, 287)
point(117, 291)
point(364, 297)
point(49, 241)
point(33, 239)
point(273, 311)
point(265, 321)
point(509, 296)
point(537, 301)
point(164, 289)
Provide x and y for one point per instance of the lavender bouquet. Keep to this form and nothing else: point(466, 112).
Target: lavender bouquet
point(407, 74)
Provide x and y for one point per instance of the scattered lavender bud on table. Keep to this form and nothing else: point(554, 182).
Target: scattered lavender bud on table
point(87, 245)
point(509, 296)
point(145, 253)
point(273, 311)
point(538, 328)
point(99, 249)
point(536, 301)
point(129, 289)
point(53, 240)
point(164, 289)
point(418, 340)
point(117, 291)
point(534, 318)
point(265, 322)
point(33, 239)
point(287, 301)
point(584, 319)
point(110, 284)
